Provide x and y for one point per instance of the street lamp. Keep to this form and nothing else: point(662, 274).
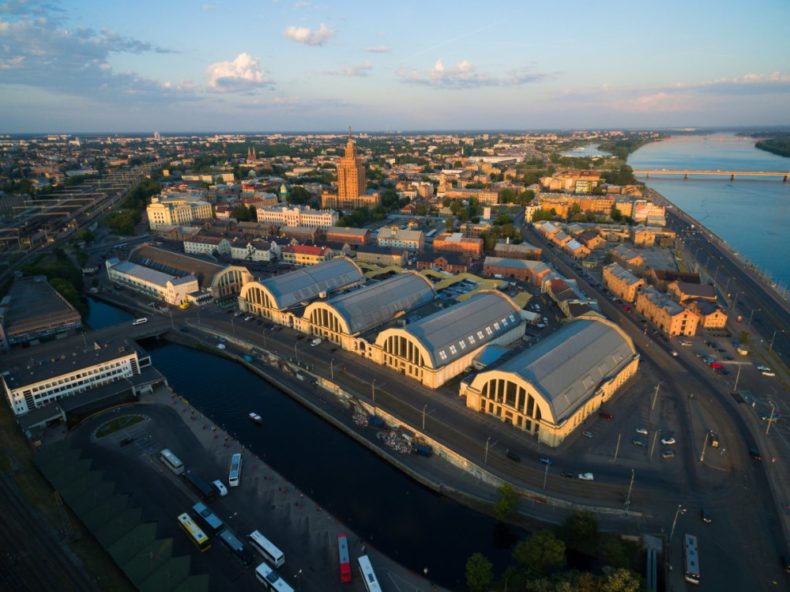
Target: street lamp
point(424, 407)
point(771, 418)
point(485, 456)
point(771, 345)
point(674, 522)
point(751, 315)
point(373, 390)
point(296, 352)
point(332, 369)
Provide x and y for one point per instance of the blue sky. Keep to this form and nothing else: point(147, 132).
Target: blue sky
point(263, 65)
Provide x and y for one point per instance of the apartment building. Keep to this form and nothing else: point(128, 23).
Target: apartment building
point(176, 211)
point(305, 254)
point(621, 282)
point(455, 242)
point(297, 216)
point(394, 237)
point(666, 314)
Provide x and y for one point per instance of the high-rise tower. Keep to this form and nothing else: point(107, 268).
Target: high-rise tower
point(350, 174)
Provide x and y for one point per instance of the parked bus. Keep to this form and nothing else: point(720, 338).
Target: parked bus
point(271, 579)
point(345, 561)
point(171, 461)
point(200, 485)
point(368, 575)
point(235, 546)
point(266, 548)
point(234, 475)
point(194, 532)
point(691, 552)
point(209, 518)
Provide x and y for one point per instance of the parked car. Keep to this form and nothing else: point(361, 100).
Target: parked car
point(587, 435)
point(668, 453)
point(220, 487)
point(586, 477)
point(568, 475)
point(703, 513)
point(639, 442)
point(642, 431)
point(668, 441)
point(315, 341)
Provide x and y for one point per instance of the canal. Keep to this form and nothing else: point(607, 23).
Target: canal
point(410, 523)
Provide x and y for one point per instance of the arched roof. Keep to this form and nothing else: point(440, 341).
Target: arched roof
point(376, 304)
point(567, 367)
point(451, 333)
point(308, 283)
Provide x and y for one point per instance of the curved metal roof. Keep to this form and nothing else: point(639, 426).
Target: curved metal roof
point(376, 304)
point(568, 366)
point(455, 331)
point(298, 286)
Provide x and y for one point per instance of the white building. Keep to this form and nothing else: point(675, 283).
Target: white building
point(32, 381)
point(297, 216)
point(256, 251)
point(156, 284)
point(394, 237)
point(176, 211)
point(207, 245)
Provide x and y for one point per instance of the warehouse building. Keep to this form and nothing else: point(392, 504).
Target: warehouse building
point(343, 318)
point(277, 298)
point(548, 390)
point(440, 346)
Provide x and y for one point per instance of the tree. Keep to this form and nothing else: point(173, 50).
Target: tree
point(479, 573)
point(243, 214)
point(299, 195)
point(744, 337)
point(615, 214)
point(619, 580)
point(540, 553)
point(580, 531)
point(507, 504)
point(574, 211)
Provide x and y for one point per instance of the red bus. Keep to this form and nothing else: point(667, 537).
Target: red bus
point(345, 561)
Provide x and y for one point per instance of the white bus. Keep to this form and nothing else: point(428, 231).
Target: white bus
point(234, 475)
point(691, 552)
point(171, 461)
point(271, 579)
point(140, 321)
point(266, 548)
point(368, 575)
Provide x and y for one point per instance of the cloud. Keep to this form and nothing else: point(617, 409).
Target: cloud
point(379, 49)
point(40, 51)
point(308, 36)
point(243, 74)
point(358, 70)
point(659, 101)
point(464, 75)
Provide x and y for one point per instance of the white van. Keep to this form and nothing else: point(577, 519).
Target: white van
point(140, 321)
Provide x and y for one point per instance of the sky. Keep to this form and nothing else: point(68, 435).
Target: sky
point(403, 65)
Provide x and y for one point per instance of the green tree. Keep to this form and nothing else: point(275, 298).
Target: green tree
point(299, 195)
point(619, 580)
point(744, 337)
point(614, 552)
point(507, 504)
point(574, 211)
point(85, 235)
point(580, 532)
point(616, 215)
point(479, 573)
point(541, 553)
point(242, 213)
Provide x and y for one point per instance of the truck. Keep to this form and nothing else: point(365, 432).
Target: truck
point(421, 449)
point(376, 421)
point(200, 485)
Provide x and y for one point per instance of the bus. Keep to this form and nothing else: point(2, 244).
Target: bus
point(209, 518)
point(266, 548)
point(368, 575)
point(171, 461)
point(194, 532)
point(271, 579)
point(140, 321)
point(200, 485)
point(234, 475)
point(345, 562)
point(691, 553)
point(235, 546)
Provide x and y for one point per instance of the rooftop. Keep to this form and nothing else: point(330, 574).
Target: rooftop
point(33, 302)
point(175, 264)
point(306, 284)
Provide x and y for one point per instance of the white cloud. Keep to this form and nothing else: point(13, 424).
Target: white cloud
point(241, 74)
point(464, 75)
point(309, 36)
point(359, 70)
point(378, 49)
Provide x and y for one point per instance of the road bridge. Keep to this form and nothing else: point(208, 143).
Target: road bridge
point(711, 173)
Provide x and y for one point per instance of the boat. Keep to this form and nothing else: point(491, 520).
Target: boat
point(256, 418)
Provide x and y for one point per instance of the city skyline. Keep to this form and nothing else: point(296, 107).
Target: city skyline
point(290, 66)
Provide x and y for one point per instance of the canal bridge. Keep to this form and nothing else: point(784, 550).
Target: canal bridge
point(711, 173)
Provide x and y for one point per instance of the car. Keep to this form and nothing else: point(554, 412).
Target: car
point(703, 513)
point(639, 442)
point(668, 441)
point(586, 477)
point(315, 342)
point(220, 487)
point(674, 353)
point(512, 455)
point(667, 453)
point(785, 559)
point(605, 415)
point(568, 475)
point(685, 343)
point(545, 460)
point(762, 368)
point(587, 435)
point(770, 373)
point(126, 441)
point(755, 453)
point(642, 431)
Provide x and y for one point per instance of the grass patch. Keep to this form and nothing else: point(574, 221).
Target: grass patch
point(117, 424)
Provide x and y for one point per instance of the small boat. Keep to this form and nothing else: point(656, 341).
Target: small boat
point(256, 418)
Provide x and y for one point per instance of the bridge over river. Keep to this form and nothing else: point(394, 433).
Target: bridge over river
point(685, 173)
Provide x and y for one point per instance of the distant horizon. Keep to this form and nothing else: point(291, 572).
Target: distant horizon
point(780, 128)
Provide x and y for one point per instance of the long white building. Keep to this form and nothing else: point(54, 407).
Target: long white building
point(153, 283)
point(297, 216)
point(52, 373)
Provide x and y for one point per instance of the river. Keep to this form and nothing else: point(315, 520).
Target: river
point(751, 214)
point(405, 520)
